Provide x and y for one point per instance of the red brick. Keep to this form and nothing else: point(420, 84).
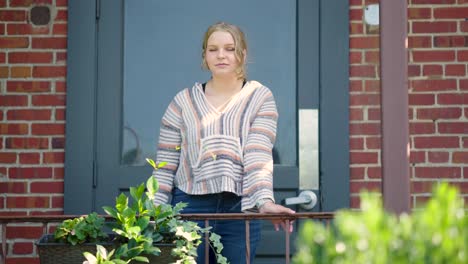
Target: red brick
point(419, 42)
point(23, 248)
point(27, 143)
point(32, 232)
point(14, 42)
point(60, 87)
point(453, 127)
point(355, 57)
point(47, 187)
point(364, 42)
point(434, 27)
point(28, 202)
point(372, 57)
point(440, 2)
point(448, 99)
point(20, 72)
point(355, 202)
point(12, 15)
point(60, 29)
point(61, 57)
point(355, 2)
point(355, 14)
point(421, 128)
point(356, 28)
point(362, 71)
point(449, 41)
point(62, 15)
point(438, 156)
point(2, 57)
point(30, 173)
point(374, 114)
point(27, 3)
point(374, 172)
point(63, 3)
point(22, 260)
point(357, 187)
point(57, 202)
point(373, 142)
point(355, 114)
point(29, 114)
point(372, 86)
point(465, 143)
point(464, 26)
point(30, 57)
point(59, 173)
point(7, 157)
point(364, 99)
point(356, 143)
point(357, 173)
point(431, 69)
point(457, 12)
point(13, 187)
point(13, 129)
point(414, 70)
point(433, 85)
point(433, 55)
point(355, 85)
point(462, 55)
point(364, 157)
point(58, 143)
point(421, 186)
point(439, 113)
point(2, 3)
point(48, 100)
point(460, 157)
point(49, 43)
point(364, 129)
point(29, 158)
point(455, 70)
point(13, 100)
point(4, 72)
point(53, 157)
point(461, 186)
point(26, 29)
point(417, 157)
point(60, 114)
point(419, 13)
point(438, 172)
point(463, 84)
point(436, 142)
point(49, 71)
point(48, 129)
point(28, 86)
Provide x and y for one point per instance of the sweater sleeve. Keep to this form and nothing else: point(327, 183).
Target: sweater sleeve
point(258, 158)
point(168, 150)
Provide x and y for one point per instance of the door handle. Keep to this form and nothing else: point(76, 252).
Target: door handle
point(306, 199)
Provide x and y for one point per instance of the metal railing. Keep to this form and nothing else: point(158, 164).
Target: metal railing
point(45, 220)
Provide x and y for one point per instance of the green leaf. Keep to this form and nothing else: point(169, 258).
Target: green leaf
point(90, 257)
point(162, 164)
point(143, 222)
point(121, 202)
point(141, 259)
point(151, 162)
point(152, 185)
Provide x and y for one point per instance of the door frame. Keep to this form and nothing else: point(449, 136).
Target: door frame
point(82, 77)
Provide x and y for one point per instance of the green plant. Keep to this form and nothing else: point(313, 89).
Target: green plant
point(141, 224)
point(80, 230)
point(436, 233)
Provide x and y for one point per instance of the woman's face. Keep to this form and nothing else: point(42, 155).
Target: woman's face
point(220, 54)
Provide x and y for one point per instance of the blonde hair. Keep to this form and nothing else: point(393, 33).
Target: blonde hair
point(240, 45)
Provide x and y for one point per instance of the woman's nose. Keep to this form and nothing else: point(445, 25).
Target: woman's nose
point(220, 54)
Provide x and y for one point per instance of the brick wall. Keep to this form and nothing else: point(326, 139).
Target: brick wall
point(438, 97)
point(32, 113)
point(32, 117)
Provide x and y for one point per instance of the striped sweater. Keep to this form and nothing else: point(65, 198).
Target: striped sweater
point(210, 151)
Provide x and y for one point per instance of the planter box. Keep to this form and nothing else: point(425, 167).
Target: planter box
point(51, 252)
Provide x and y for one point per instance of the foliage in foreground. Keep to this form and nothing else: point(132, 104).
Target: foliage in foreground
point(436, 233)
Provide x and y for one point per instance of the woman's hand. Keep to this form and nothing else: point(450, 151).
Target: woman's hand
point(272, 208)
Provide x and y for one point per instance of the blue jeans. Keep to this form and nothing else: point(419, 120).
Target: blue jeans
point(232, 232)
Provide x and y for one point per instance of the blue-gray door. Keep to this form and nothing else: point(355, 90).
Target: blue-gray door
point(149, 50)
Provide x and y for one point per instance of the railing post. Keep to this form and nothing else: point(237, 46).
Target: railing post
point(247, 241)
point(287, 240)
point(207, 244)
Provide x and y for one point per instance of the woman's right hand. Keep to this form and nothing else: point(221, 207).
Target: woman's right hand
point(272, 208)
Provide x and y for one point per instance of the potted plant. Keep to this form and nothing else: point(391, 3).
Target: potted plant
point(436, 233)
point(142, 231)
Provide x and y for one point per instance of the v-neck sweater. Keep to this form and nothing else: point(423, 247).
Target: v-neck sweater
point(209, 151)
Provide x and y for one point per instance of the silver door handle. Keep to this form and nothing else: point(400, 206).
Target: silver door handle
point(306, 199)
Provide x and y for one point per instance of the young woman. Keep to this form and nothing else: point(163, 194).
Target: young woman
point(217, 139)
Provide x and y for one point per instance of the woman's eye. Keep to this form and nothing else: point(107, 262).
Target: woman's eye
point(230, 49)
point(212, 50)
